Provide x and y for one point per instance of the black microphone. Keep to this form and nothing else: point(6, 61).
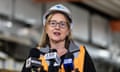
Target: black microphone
point(34, 52)
point(53, 57)
point(54, 60)
point(33, 62)
point(68, 62)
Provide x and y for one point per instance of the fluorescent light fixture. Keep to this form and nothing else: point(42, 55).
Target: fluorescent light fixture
point(9, 24)
point(31, 21)
point(23, 32)
point(3, 55)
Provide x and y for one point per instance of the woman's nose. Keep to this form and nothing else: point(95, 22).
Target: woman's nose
point(58, 26)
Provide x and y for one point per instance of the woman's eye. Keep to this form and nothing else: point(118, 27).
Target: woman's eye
point(62, 24)
point(53, 23)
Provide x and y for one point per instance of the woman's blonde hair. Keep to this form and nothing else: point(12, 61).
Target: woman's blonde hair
point(45, 39)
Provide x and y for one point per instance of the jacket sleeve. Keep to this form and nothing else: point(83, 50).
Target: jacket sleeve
point(88, 64)
point(33, 53)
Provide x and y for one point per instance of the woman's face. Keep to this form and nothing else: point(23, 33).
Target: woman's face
point(57, 28)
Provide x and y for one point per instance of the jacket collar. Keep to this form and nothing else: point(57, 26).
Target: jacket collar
point(72, 48)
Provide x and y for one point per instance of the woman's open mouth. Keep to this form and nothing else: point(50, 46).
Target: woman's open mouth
point(57, 33)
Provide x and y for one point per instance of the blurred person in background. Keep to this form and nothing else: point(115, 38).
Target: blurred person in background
point(57, 22)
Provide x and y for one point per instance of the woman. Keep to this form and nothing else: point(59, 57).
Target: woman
point(56, 35)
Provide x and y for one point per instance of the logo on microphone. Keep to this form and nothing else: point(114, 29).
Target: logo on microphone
point(28, 62)
point(68, 64)
point(67, 61)
point(32, 62)
point(52, 56)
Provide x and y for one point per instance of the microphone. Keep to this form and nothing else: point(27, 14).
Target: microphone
point(33, 63)
point(68, 62)
point(34, 52)
point(53, 57)
point(54, 60)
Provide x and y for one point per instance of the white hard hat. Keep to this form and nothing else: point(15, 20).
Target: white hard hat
point(61, 8)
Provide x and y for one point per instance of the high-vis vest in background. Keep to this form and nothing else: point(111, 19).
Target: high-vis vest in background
point(78, 61)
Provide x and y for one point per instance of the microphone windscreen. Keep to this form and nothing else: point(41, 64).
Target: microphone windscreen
point(34, 53)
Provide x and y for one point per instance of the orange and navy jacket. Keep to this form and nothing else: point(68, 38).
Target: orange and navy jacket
point(82, 60)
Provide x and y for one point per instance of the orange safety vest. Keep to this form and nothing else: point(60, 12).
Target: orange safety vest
point(78, 61)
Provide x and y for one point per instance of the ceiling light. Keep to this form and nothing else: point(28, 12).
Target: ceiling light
point(31, 21)
point(9, 24)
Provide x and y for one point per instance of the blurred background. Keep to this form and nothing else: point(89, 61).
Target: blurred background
point(96, 25)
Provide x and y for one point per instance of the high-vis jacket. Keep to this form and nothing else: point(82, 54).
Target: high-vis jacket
point(82, 61)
